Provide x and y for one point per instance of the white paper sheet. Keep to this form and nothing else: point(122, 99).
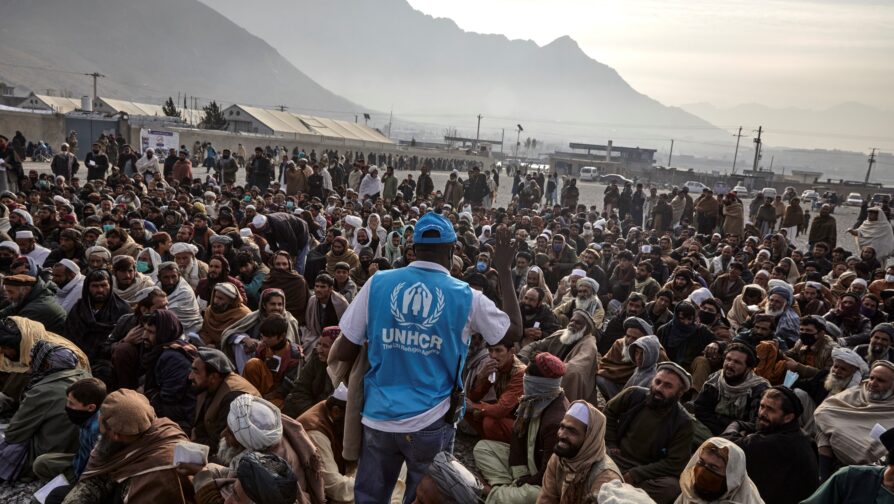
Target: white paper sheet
point(44, 491)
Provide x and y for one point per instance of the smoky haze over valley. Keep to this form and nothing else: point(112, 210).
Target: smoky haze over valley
point(617, 80)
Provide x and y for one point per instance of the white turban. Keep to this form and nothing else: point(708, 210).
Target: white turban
point(256, 423)
point(353, 221)
point(775, 282)
point(259, 221)
point(852, 358)
point(70, 266)
point(593, 284)
point(181, 247)
point(11, 245)
point(699, 296)
point(25, 215)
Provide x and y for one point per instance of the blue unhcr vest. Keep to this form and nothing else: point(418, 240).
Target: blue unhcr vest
point(415, 323)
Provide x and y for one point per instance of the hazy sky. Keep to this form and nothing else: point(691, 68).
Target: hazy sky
point(802, 53)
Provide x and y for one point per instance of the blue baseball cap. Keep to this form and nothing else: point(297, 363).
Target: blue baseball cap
point(434, 222)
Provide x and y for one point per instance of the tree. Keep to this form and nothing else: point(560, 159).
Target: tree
point(170, 109)
point(214, 118)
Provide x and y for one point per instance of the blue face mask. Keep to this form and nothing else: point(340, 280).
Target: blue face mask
point(142, 266)
point(108, 227)
point(290, 205)
point(481, 266)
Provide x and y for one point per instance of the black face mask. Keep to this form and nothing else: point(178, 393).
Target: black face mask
point(5, 262)
point(279, 346)
point(78, 417)
point(808, 339)
point(365, 264)
point(707, 318)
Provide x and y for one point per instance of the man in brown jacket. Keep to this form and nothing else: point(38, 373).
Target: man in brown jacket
point(213, 378)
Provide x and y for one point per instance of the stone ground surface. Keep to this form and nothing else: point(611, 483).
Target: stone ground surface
point(591, 194)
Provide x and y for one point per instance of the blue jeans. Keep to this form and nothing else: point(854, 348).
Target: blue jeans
point(383, 454)
point(302, 258)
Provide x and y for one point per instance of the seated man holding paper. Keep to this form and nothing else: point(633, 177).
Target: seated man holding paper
point(277, 361)
point(240, 341)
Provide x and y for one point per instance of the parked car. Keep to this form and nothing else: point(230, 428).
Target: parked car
point(877, 198)
point(769, 192)
point(588, 174)
point(854, 199)
point(809, 194)
point(695, 187)
point(741, 191)
point(617, 179)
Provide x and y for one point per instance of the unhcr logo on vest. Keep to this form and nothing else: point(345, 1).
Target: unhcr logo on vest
point(416, 310)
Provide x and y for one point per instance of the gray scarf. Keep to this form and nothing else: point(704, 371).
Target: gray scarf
point(734, 398)
point(539, 393)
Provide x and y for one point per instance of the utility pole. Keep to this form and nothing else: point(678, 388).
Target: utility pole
point(871, 162)
point(518, 141)
point(502, 139)
point(670, 156)
point(736, 153)
point(282, 108)
point(390, 119)
point(478, 132)
point(757, 147)
point(95, 75)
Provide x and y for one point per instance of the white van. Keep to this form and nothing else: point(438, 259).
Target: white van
point(588, 174)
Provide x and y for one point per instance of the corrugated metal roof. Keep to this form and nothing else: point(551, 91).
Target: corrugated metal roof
point(133, 108)
point(289, 123)
point(278, 121)
point(57, 103)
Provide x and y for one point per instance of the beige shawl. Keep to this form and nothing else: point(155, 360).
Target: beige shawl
point(847, 418)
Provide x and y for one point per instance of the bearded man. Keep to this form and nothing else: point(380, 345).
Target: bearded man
point(617, 365)
point(585, 300)
point(682, 284)
point(127, 281)
point(282, 275)
point(881, 340)
point(580, 465)
point(576, 346)
point(92, 320)
point(226, 309)
point(70, 282)
point(649, 434)
point(218, 272)
point(240, 340)
point(844, 421)
point(733, 393)
point(216, 383)
point(779, 457)
point(181, 298)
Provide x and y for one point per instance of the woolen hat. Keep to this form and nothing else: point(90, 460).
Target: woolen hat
point(675, 368)
point(127, 412)
point(549, 365)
